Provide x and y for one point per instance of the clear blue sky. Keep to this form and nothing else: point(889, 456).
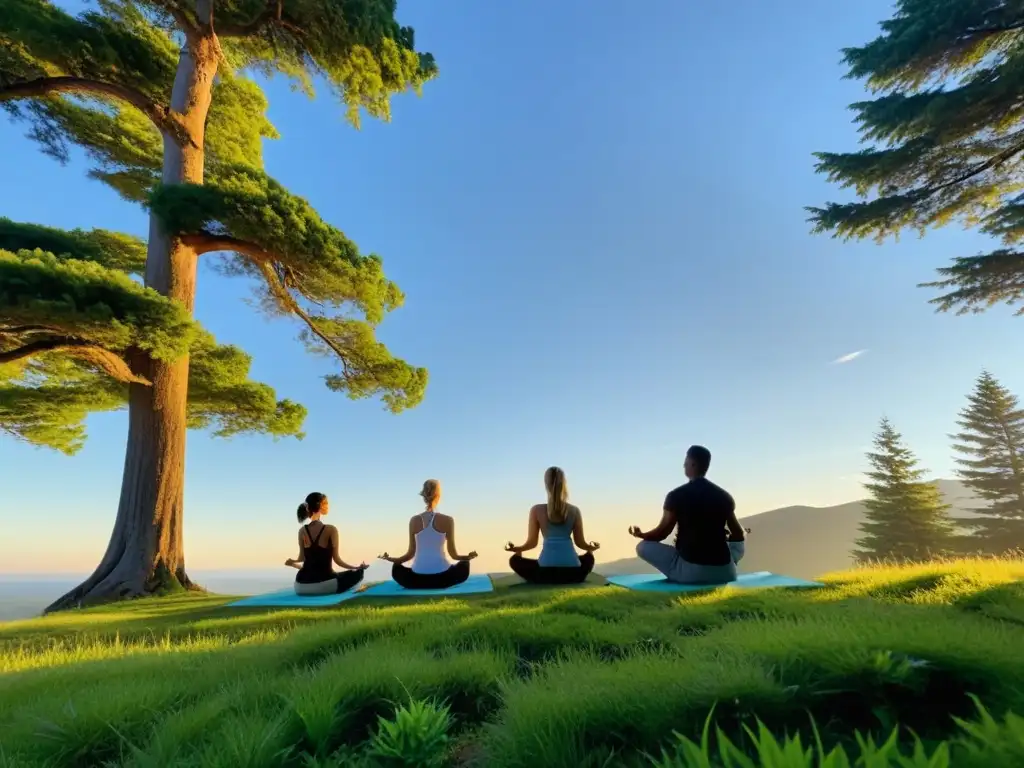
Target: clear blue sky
point(597, 216)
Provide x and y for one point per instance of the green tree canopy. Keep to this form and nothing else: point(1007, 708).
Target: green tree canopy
point(906, 518)
point(945, 140)
point(161, 97)
point(990, 445)
point(69, 322)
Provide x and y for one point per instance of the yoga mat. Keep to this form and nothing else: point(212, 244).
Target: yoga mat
point(476, 583)
point(655, 582)
point(287, 598)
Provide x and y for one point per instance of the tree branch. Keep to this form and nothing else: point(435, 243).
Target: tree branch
point(993, 162)
point(109, 362)
point(264, 261)
point(206, 243)
point(13, 329)
point(161, 117)
point(185, 22)
point(271, 15)
point(995, 29)
point(52, 344)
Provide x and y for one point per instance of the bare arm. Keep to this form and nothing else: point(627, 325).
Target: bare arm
point(577, 534)
point(336, 555)
point(298, 561)
point(453, 551)
point(410, 552)
point(532, 534)
point(736, 531)
point(661, 531)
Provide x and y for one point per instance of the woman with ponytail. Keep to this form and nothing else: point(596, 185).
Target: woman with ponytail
point(318, 547)
point(561, 524)
point(429, 533)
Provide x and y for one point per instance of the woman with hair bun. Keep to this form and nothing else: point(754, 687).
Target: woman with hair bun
point(429, 533)
point(318, 548)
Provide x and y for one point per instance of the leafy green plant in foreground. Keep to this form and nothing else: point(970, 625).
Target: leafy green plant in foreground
point(417, 737)
point(985, 743)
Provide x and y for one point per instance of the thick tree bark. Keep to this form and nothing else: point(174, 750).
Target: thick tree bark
point(146, 554)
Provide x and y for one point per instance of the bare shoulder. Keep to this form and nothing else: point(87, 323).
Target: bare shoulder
point(539, 509)
point(444, 520)
point(575, 510)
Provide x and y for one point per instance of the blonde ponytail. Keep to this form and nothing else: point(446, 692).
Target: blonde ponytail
point(558, 495)
point(431, 493)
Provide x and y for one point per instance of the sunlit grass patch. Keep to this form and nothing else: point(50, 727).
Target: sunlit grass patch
point(89, 649)
point(575, 677)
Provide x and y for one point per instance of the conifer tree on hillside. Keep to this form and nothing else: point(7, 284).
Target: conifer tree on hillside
point(906, 518)
point(945, 141)
point(991, 448)
point(156, 92)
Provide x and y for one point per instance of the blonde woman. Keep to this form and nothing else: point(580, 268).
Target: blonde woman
point(430, 535)
point(561, 524)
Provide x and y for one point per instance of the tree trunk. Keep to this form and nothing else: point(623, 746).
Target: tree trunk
point(145, 555)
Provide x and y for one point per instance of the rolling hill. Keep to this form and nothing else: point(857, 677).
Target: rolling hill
point(806, 541)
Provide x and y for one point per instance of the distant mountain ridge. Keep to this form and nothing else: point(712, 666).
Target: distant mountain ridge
point(808, 541)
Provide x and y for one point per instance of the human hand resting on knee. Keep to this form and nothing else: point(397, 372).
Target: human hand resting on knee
point(591, 547)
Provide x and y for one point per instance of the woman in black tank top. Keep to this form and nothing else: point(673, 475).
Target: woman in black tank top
point(318, 551)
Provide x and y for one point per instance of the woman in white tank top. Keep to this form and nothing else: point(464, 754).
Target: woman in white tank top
point(431, 544)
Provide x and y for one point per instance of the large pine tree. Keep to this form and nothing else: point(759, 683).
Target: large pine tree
point(991, 447)
point(946, 141)
point(157, 94)
point(906, 518)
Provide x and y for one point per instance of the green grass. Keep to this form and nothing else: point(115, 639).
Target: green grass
point(917, 666)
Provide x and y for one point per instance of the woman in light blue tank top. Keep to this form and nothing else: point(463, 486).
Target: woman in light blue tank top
point(561, 525)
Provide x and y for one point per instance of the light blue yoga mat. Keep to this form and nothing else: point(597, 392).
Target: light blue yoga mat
point(655, 582)
point(287, 598)
point(476, 583)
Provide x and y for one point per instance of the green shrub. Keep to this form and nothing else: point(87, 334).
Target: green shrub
point(416, 737)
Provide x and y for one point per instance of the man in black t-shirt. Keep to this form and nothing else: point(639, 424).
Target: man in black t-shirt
point(709, 538)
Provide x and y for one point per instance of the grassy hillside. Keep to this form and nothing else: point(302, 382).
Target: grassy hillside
point(575, 677)
point(807, 541)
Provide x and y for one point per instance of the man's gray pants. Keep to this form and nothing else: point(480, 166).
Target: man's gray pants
point(666, 559)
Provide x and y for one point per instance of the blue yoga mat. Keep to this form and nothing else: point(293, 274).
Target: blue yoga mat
point(287, 598)
point(655, 582)
point(476, 583)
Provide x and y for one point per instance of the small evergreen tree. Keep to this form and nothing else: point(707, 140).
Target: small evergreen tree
point(947, 141)
point(159, 95)
point(906, 517)
point(991, 448)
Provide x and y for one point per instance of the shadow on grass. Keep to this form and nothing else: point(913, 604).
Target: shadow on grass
point(902, 666)
point(1003, 602)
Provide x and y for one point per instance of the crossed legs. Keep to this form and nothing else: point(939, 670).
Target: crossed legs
point(533, 572)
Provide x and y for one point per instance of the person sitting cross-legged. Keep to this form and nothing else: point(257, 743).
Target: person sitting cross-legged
point(318, 548)
point(561, 525)
point(709, 539)
point(429, 532)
